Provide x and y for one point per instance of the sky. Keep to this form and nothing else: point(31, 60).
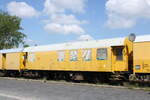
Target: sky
point(57, 21)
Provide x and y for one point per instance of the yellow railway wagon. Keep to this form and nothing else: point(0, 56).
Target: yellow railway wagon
point(108, 55)
point(142, 55)
point(106, 58)
point(12, 59)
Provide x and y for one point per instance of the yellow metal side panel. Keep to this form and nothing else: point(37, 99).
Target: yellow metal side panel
point(12, 61)
point(72, 65)
point(48, 61)
point(80, 65)
point(97, 65)
point(1, 64)
point(84, 65)
point(39, 60)
point(59, 65)
point(141, 54)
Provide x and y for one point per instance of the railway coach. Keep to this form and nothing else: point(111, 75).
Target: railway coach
point(93, 60)
point(141, 59)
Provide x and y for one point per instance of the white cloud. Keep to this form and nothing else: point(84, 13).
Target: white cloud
point(64, 24)
point(126, 13)
point(66, 19)
point(50, 8)
point(21, 9)
point(59, 6)
point(59, 21)
point(64, 29)
point(120, 22)
point(85, 37)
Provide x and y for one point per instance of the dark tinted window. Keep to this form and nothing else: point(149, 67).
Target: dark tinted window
point(119, 54)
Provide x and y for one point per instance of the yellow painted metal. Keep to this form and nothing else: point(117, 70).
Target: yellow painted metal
point(22, 60)
point(40, 60)
point(129, 47)
point(1, 63)
point(13, 61)
point(126, 63)
point(141, 57)
point(119, 65)
point(48, 61)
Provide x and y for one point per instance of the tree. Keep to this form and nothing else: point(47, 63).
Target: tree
point(25, 45)
point(10, 35)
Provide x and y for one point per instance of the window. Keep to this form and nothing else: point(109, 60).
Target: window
point(31, 57)
point(102, 54)
point(119, 54)
point(61, 56)
point(86, 54)
point(137, 67)
point(73, 55)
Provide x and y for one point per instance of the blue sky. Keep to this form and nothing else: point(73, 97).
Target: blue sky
point(56, 21)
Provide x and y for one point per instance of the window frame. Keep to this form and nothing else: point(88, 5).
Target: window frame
point(106, 53)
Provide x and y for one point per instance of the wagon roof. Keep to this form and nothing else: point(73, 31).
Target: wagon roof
point(78, 45)
point(85, 44)
point(11, 50)
point(142, 38)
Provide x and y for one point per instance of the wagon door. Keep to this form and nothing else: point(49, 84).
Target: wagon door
point(24, 61)
point(119, 62)
point(1, 64)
